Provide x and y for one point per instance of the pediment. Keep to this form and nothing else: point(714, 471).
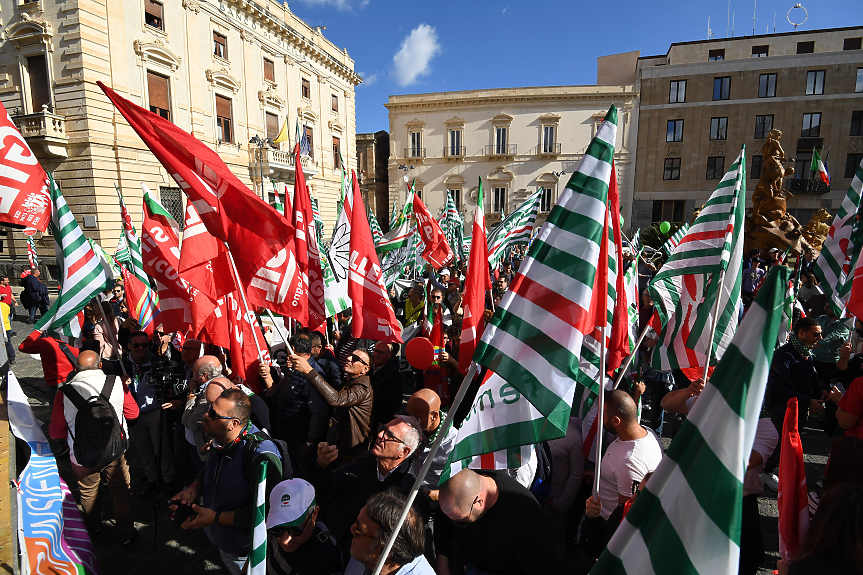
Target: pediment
point(550, 118)
point(270, 97)
point(455, 179)
point(157, 52)
point(455, 121)
point(27, 32)
point(547, 178)
point(307, 115)
point(415, 123)
point(500, 174)
point(336, 126)
point(222, 79)
point(502, 118)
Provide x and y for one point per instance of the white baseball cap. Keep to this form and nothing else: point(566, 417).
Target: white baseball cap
point(444, 272)
point(291, 503)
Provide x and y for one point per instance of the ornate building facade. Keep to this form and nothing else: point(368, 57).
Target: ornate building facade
point(232, 72)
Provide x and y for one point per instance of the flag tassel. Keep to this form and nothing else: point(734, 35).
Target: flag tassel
point(243, 296)
point(462, 391)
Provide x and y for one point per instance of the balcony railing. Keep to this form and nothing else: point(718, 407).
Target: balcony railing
point(807, 186)
point(548, 149)
point(279, 164)
point(454, 152)
point(493, 150)
point(45, 128)
point(415, 153)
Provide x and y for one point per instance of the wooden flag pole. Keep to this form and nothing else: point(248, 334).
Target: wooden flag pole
point(245, 303)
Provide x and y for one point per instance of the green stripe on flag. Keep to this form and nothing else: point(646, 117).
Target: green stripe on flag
point(258, 547)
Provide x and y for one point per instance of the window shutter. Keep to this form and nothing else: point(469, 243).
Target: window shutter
point(153, 8)
point(272, 126)
point(223, 107)
point(157, 88)
point(269, 70)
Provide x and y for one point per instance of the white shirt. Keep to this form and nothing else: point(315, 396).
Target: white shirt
point(89, 383)
point(766, 438)
point(623, 463)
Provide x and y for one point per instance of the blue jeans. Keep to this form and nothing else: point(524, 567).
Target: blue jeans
point(234, 563)
point(10, 349)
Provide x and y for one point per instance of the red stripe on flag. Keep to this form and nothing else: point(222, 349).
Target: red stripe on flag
point(80, 263)
point(486, 461)
point(562, 308)
point(703, 236)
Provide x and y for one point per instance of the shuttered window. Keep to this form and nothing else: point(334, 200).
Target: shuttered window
point(337, 152)
point(159, 95)
point(307, 90)
point(40, 92)
point(335, 103)
point(311, 139)
point(224, 119)
point(272, 127)
point(153, 14)
point(220, 45)
point(269, 70)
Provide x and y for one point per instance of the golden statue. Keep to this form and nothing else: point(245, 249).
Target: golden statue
point(816, 230)
point(769, 208)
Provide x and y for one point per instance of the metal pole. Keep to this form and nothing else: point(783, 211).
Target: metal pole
point(714, 324)
point(426, 465)
point(110, 331)
point(631, 356)
point(245, 303)
point(281, 333)
point(599, 414)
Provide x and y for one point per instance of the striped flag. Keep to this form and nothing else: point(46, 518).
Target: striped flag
point(819, 167)
point(477, 281)
point(839, 254)
point(394, 214)
point(141, 299)
point(687, 519)
point(319, 223)
point(122, 253)
point(399, 235)
point(674, 240)
point(258, 546)
point(515, 230)
point(630, 282)
point(136, 261)
point(279, 206)
point(31, 253)
point(107, 261)
point(377, 233)
point(83, 276)
point(635, 242)
point(335, 268)
point(453, 228)
point(686, 288)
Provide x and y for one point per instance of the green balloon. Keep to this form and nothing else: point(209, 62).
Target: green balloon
point(664, 227)
point(621, 220)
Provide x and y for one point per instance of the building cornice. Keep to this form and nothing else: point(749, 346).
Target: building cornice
point(496, 98)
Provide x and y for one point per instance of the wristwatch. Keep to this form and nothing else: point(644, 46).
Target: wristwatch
point(216, 518)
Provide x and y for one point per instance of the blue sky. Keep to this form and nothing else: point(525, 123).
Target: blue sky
point(415, 47)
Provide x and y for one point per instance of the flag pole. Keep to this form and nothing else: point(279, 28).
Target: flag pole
point(243, 296)
point(631, 356)
point(281, 333)
point(713, 325)
point(462, 390)
point(600, 408)
point(110, 331)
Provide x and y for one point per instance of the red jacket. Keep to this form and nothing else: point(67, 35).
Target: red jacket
point(55, 365)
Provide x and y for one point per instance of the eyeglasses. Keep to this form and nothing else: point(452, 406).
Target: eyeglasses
point(355, 528)
point(211, 413)
point(356, 358)
point(466, 520)
point(388, 435)
point(437, 297)
point(118, 291)
point(138, 345)
point(277, 532)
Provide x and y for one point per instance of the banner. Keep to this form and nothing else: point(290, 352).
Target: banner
point(24, 196)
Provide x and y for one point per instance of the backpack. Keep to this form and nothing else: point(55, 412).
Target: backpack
point(99, 436)
point(253, 440)
point(541, 486)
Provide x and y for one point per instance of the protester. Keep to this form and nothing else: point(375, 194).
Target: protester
point(752, 278)
point(35, 295)
point(6, 295)
point(386, 383)
point(5, 312)
point(851, 408)
point(205, 370)
point(596, 532)
point(228, 506)
point(109, 346)
point(425, 406)
point(567, 472)
point(808, 289)
point(414, 306)
point(374, 527)
point(845, 467)
point(57, 358)
point(808, 264)
point(299, 544)
point(118, 296)
point(90, 381)
point(834, 333)
point(327, 361)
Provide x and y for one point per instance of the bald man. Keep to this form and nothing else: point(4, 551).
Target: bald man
point(425, 406)
point(204, 370)
point(486, 505)
point(90, 381)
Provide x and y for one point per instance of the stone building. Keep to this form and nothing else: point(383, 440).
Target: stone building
point(372, 159)
point(699, 102)
point(518, 140)
point(232, 72)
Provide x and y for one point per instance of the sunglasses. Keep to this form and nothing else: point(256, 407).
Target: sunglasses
point(388, 435)
point(355, 358)
point(138, 345)
point(211, 413)
point(277, 532)
point(466, 520)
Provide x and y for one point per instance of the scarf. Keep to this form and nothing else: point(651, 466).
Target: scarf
point(803, 349)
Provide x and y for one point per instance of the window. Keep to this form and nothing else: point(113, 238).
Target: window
point(674, 132)
point(272, 127)
point(153, 14)
point(811, 125)
point(415, 145)
point(757, 163)
point(224, 120)
point(334, 103)
point(814, 82)
point(859, 86)
point(672, 169)
point(857, 123)
point(158, 94)
point(852, 44)
point(337, 153)
point(677, 92)
point(306, 90)
point(803, 163)
point(500, 140)
point(269, 70)
point(220, 45)
point(310, 136)
point(545, 202)
point(767, 86)
point(760, 51)
point(716, 54)
point(172, 199)
point(852, 163)
point(722, 88)
point(719, 128)
point(455, 143)
point(548, 139)
point(40, 90)
point(715, 167)
point(455, 194)
point(763, 125)
point(805, 47)
point(668, 211)
point(499, 200)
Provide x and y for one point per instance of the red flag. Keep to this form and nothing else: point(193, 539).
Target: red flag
point(855, 299)
point(373, 315)
point(204, 260)
point(288, 208)
point(230, 211)
point(141, 300)
point(618, 346)
point(436, 252)
point(434, 377)
point(24, 195)
point(793, 500)
point(244, 352)
point(216, 330)
point(306, 248)
point(475, 286)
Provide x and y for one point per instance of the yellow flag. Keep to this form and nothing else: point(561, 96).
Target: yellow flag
point(283, 134)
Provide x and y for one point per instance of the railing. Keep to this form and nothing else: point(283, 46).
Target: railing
point(807, 186)
point(549, 149)
point(281, 157)
point(415, 153)
point(42, 124)
point(454, 152)
point(500, 150)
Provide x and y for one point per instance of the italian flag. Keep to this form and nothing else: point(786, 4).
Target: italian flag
point(820, 167)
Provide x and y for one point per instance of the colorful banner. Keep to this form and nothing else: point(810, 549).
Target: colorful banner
point(24, 196)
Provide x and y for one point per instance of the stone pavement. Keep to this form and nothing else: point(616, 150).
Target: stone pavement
point(185, 552)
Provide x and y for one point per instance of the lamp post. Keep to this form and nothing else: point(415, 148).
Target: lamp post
point(261, 143)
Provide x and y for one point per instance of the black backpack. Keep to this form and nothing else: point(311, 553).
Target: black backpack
point(99, 436)
point(253, 440)
point(541, 486)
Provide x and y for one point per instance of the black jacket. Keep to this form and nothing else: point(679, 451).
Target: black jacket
point(791, 376)
point(387, 387)
point(35, 292)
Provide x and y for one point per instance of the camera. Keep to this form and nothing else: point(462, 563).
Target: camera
point(183, 512)
point(168, 378)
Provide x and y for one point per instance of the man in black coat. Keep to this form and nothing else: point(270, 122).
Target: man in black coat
point(386, 383)
point(35, 294)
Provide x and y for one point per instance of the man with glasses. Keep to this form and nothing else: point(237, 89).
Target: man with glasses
point(298, 543)
point(424, 405)
point(229, 495)
point(353, 404)
point(204, 370)
point(118, 296)
point(344, 491)
point(327, 360)
point(499, 526)
point(386, 382)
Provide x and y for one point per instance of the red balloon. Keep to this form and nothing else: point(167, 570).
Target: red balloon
point(420, 353)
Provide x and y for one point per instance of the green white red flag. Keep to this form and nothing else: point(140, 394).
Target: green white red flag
point(513, 231)
point(133, 242)
point(855, 292)
point(377, 233)
point(141, 300)
point(674, 240)
point(476, 282)
point(819, 167)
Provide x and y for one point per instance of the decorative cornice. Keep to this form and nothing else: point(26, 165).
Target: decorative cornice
point(455, 179)
point(306, 114)
point(547, 178)
point(415, 123)
point(550, 118)
point(27, 32)
point(192, 6)
point(222, 79)
point(500, 173)
point(455, 121)
point(501, 118)
point(270, 97)
point(507, 100)
point(157, 52)
point(336, 126)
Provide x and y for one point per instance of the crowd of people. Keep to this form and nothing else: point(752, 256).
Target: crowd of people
point(345, 426)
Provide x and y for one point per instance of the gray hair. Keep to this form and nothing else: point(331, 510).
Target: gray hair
point(412, 436)
point(210, 370)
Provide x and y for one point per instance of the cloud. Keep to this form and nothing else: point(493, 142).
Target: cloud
point(504, 10)
point(414, 57)
point(368, 80)
point(338, 4)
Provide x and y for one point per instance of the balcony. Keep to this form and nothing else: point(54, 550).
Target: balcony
point(500, 150)
point(46, 130)
point(548, 150)
point(417, 154)
point(278, 165)
point(807, 186)
point(454, 152)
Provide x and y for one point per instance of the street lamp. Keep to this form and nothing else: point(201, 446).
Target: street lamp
point(261, 143)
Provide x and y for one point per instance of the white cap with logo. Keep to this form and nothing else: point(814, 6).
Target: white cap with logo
point(291, 502)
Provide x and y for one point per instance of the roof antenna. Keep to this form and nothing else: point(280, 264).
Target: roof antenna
point(732, 23)
point(728, 22)
point(754, 9)
point(774, 22)
point(709, 31)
